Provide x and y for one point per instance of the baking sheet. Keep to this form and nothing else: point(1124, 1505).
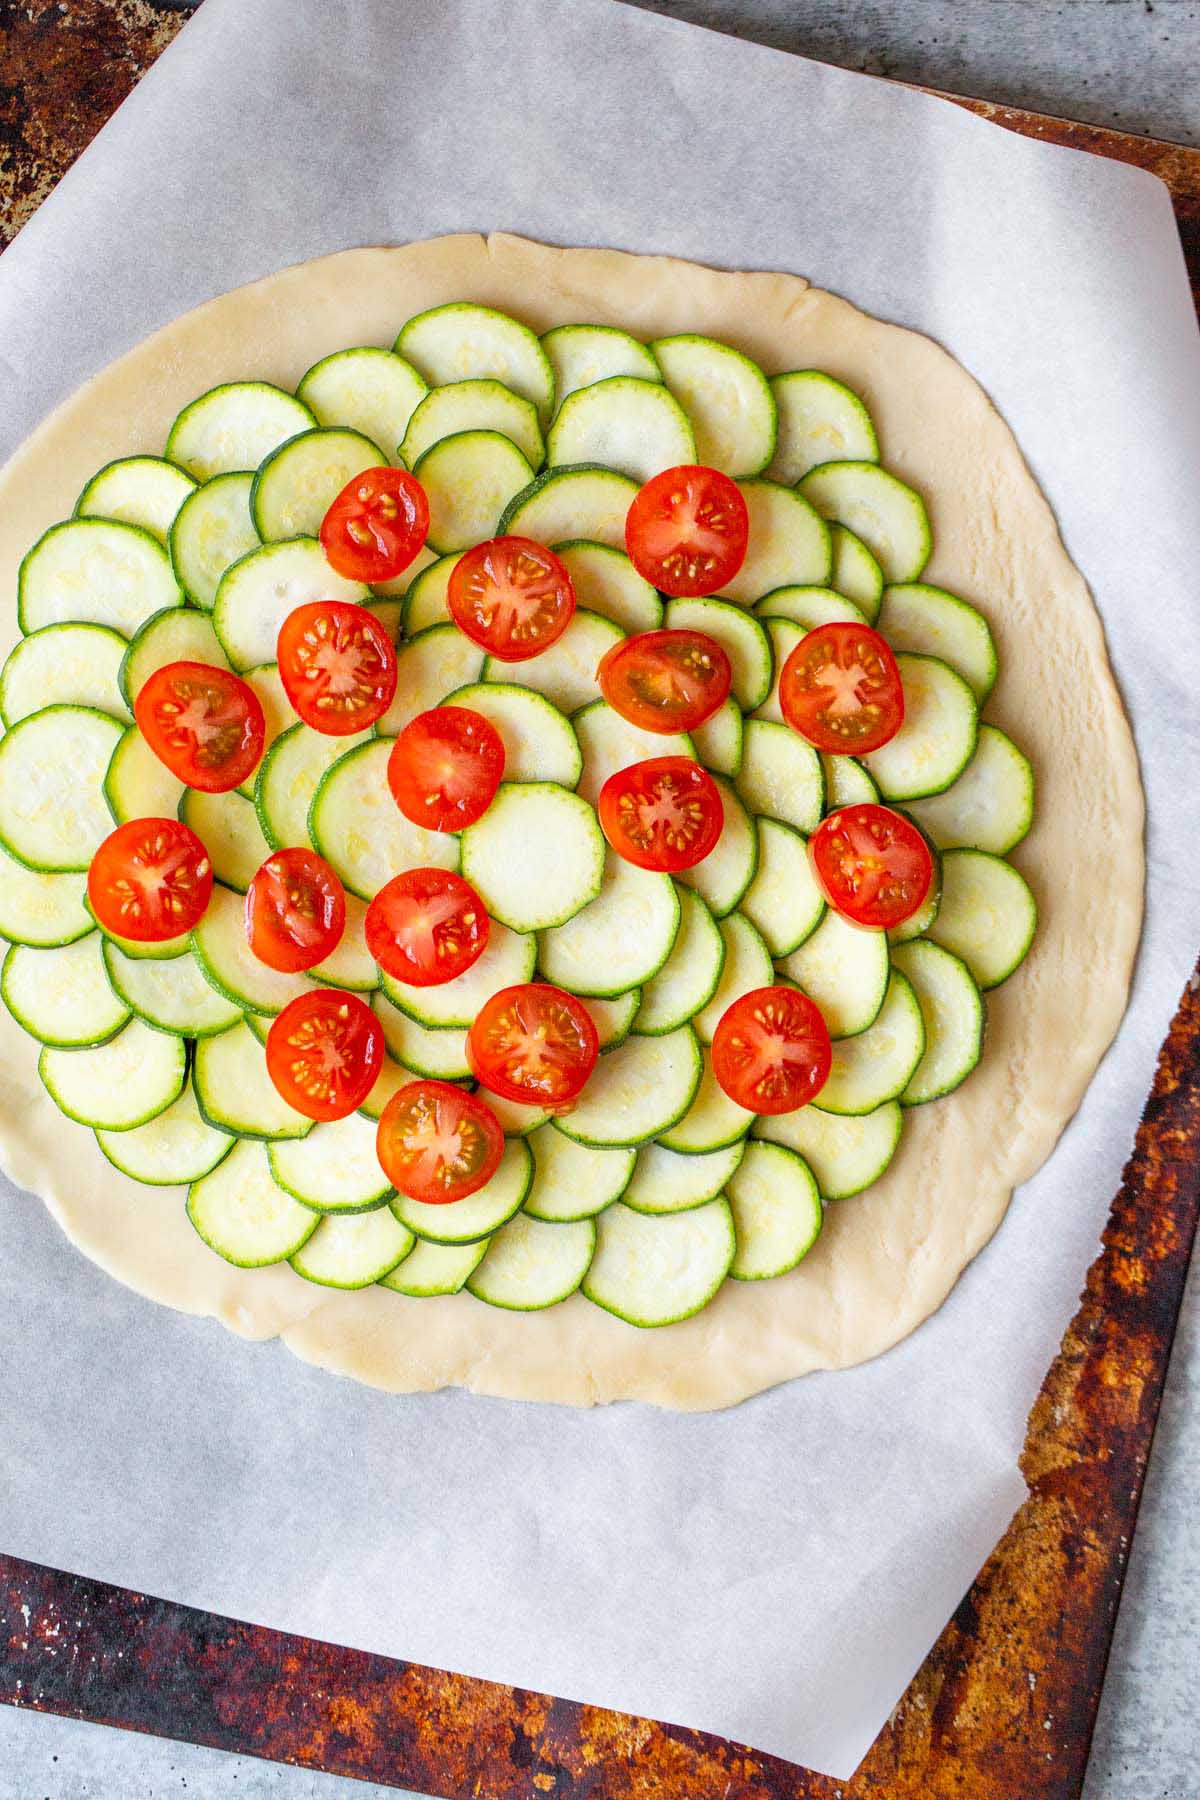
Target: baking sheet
point(774, 1573)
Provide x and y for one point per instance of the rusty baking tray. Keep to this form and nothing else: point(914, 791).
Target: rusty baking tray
point(1004, 1706)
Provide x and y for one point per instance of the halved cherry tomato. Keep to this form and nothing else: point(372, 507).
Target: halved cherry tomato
point(665, 680)
point(150, 880)
point(205, 724)
point(872, 864)
point(535, 1044)
point(445, 768)
point(512, 596)
point(665, 813)
point(437, 1144)
point(295, 911)
point(338, 666)
point(426, 926)
point(771, 1050)
point(840, 689)
point(376, 525)
point(324, 1053)
point(687, 530)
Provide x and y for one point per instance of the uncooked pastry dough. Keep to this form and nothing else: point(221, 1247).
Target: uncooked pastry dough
point(887, 1258)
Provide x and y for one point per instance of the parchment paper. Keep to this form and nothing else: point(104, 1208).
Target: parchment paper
point(774, 1573)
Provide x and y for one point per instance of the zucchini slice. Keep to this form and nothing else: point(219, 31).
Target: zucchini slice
point(747, 965)
point(606, 582)
point(438, 1051)
point(425, 600)
point(608, 743)
point(656, 1271)
point(587, 501)
point(536, 857)
point(509, 958)
point(180, 634)
point(855, 572)
point(781, 776)
point(235, 426)
point(463, 342)
point(531, 1264)
point(789, 543)
point(480, 1213)
point(565, 672)
point(932, 622)
point(720, 740)
point(636, 1091)
point(727, 398)
point(431, 1269)
point(845, 1154)
point(368, 390)
point(613, 1018)
point(53, 814)
point(846, 783)
point(360, 831)
point(952, 1008)
point(62, 996)
point(516, 1120)
point(137, 490)
point(990, 806)
point(879, 1063)
point(95, 572)
point(938, 736)
point(820, 420)
point(987, 915)
point(171, 994)
point(665, 1181)
point(297, 483)
point(469, 480)
point(539, 743)
point(63, 665)
point(353, 1251)
point(478, 405)
point(741, 637)
point(783, 902)
point(137, 785)
point(172, 1150)
point(877, 507)
point(581, 355)
point(244, 1215)
point(921, 921)
point(429, 667)
point(784, 634)
point(844, 970)
point(723, 876)
point(211, 531)
point(42, 910)
point(574, 1181)
point(115, 1086)
point(618, 941)
point(809, 607)
point(688, 979)
point(351, 965)
point(227, 962)
point(289, 776)
point(392, 1077)
point(257, 594)
point(622, 423)
point(712, 1122)
point(777, 1212)
point(228, 826)
point(234, 1091)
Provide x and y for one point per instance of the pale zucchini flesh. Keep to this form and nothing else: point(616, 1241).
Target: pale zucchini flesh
point(739, 634)
point(357, 827)
point(297, 484)
point(437, 1051)
point(989, 807)
point(508, 959)
point(686, 982)
point(609, 743)
point(783, 902)
point(53, 814)
point(244, 1215)
point(781, 776)
point(39, 909)
point(809, 607)
point(469, 479)
point(726, 397)
point(620, 939)
point(622, 423)
point(478, 405)
point(636, 1092)
point(877, 507)
point(171, 994)
point(226, 960)
point(820, 420)
point(64, 665)
point(656, 1271)
point(174, 1148)
point(479, 1214)
point(233, 427)
point(369, 390)
point(120, 1084)
point(606, 582)
point(987, 915)
point(722, 877)
point(234, 1091)
point(788, 547)
point(878, 1064)
point(430, 667)
point(565, 672)
point(747, 965)
point(847, 783)
point(581, 355)
point(288, 778)
point(62, 996)
point(586, 501)
point(952, 1008)
point(137, 785)
point(931, 622)
point(463, 342)
point(95, 572)
point(539, 743)
point(425, 601)
point(211, 531)
point(180, 634)
point(855, 573)
point(712, 1122)
point(536, 857)
point(432, 1269)
point(777, 1212)
point(845, 1154)
point(260, 591)
point(574, 1181)
point(353, 1251)
point(666, 1181)
point(844, 970)
point(937, 739)
point(784, 634)
point(720, 741)
point(228, 827)
point(137, 490)
point(335, 1169)
point(531, 1264)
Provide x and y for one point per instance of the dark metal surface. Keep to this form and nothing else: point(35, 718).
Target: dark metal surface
point(1004, 1706)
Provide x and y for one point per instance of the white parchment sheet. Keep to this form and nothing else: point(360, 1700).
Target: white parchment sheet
point(773, 1573)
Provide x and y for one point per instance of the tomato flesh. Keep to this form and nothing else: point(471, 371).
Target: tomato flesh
point(324, 1053)
point(840, 689)
point(376, 525)
point(205, 724)
point(687, 530)
point(337, 665)
point(437, 1144)
point(150, 880)
point(872, 864)
point(512, 596)
point(445, 768)
point(427, 926)
point(534, 1044)
point(295, 911)
point(664, 814)
point(771, 1051)
point(666, 680)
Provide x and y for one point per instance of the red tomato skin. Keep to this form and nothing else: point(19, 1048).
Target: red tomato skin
point(474, 752)
point(857, 736)
point(326, 1012)
point(456, 908)
point(635, 660)
point(469, 1106)
point(290, 887)
point(708, 502)
point(677, 774)
point(345, 628)
point(912, 860)
point(180, 848)
point(534, 999)
point(162, 701)
point(801, 1019)
point(510, 563)
point(376, 525)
